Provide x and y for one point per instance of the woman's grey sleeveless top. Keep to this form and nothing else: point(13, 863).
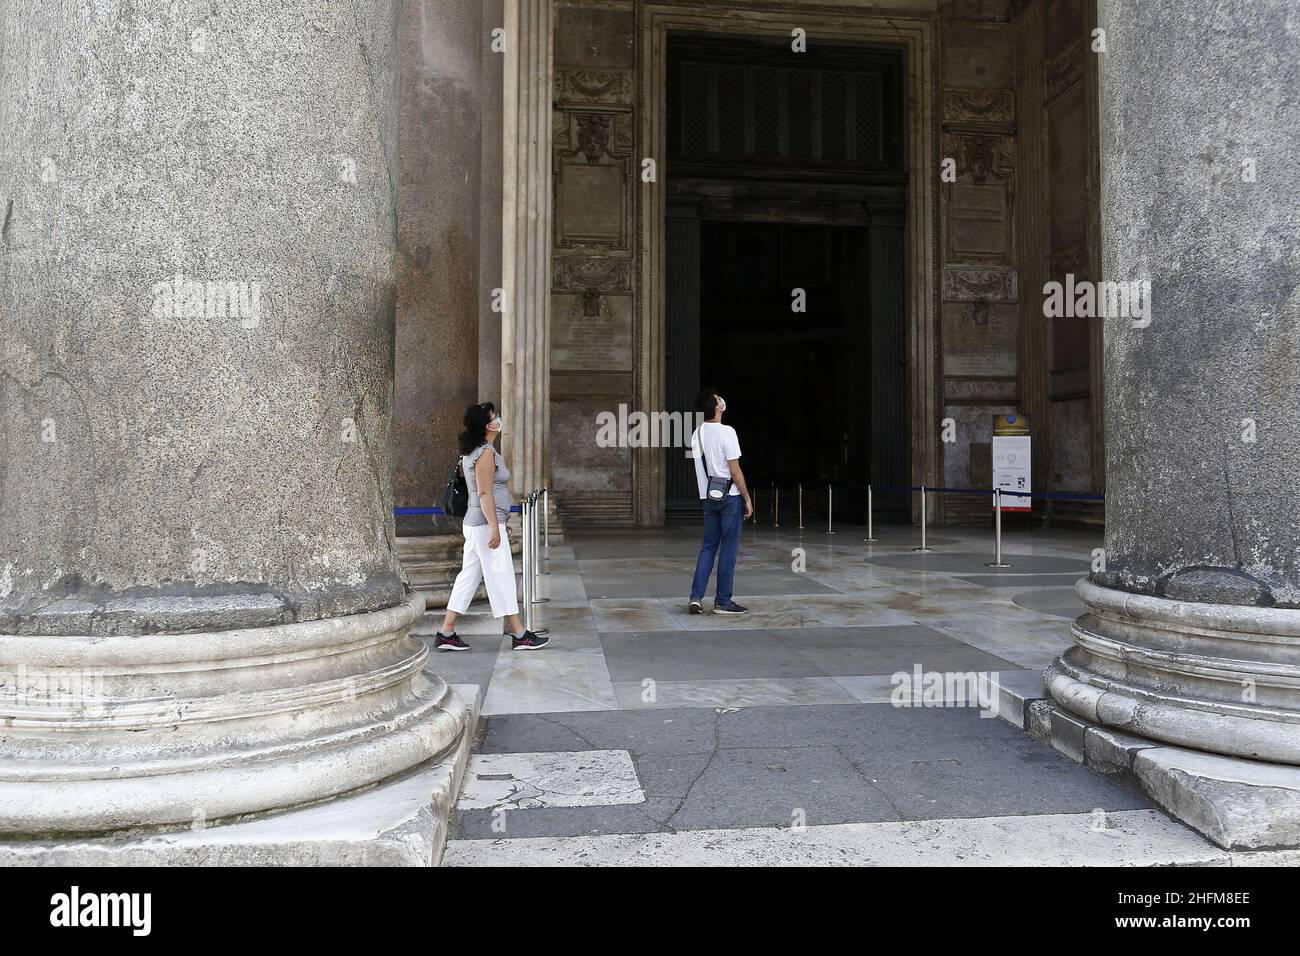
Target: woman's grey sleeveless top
point(474, 517)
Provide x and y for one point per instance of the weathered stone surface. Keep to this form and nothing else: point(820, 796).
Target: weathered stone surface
point(201, 613)
point(443, 43)
point(1239, 804)
point(183, 459)
point(1199, 168)
point(401, 823)
point(1107, 751)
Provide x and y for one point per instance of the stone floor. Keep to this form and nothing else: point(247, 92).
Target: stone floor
point(645, 735)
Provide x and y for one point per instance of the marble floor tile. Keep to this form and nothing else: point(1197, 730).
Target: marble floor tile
point(522, 781)
point(569, 674)
point(636, 614)
point(741, 692)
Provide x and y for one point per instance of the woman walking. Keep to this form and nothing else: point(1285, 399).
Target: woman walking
point(487, 546)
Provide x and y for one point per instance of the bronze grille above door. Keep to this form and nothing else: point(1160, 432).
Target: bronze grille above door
point(739, 104)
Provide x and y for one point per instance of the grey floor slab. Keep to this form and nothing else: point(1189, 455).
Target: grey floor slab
point(953, 562)
point(769, 766)
point(1012, 580)
point(466, 667)
point(838, 654)
point(678, 584)
point(699, 655)
point(1058, 601)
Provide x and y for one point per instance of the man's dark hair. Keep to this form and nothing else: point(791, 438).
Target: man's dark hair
point(707, 402)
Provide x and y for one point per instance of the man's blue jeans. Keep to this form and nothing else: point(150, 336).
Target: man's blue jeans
point(721, 530)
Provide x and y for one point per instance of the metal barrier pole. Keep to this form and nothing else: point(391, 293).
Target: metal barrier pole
point(923, 520)
point(871, 534)
point(537, 551)
point(801, 506)
point(830, 504)
point(524, 536)
point(997, 530)
point(546, 517)
point(776, 506)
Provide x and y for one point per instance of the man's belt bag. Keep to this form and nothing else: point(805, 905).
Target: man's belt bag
point(716, 492)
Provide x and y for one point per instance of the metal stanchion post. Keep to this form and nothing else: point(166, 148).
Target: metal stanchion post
point(546, 517)
point(776, 506)
point(524, 536)
point(997, 531)
point(830, 504)
point(801, 506)
point(537, 551)
point(871, 535)
point(923, 520)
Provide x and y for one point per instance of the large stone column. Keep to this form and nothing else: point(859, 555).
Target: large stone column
point(490, 232)
point(201, 615)
point(443, 47)
point(1193, 630)
point(526, 247)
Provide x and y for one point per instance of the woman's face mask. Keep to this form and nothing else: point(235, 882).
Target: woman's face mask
point(500, 424)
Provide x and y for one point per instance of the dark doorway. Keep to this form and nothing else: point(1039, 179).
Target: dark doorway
point(785, 284)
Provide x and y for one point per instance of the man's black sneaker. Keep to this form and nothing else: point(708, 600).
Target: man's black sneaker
point(529, 642)
point(696, 607)
point(450, 642)
point(731, 607)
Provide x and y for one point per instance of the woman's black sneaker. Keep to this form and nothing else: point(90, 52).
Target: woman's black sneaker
point(731, 607)
point(695, 607)
point(529, 642)
point(449, 642)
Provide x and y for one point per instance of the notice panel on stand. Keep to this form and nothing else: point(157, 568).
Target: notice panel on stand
point(1011, 461)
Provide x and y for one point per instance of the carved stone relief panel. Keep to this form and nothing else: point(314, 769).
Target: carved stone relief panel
point(977, 206)
point(583, 86)
point(591, 332)
point(979, 338)
point(593, 180)
point(591, 274)
point(961, 284)
point(978, 106)
point(1066, 69)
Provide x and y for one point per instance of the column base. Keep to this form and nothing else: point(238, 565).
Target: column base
point(1237, 804)
point(134, 734)
point(402, 822)
point(1218, 682)
point(1222, 678)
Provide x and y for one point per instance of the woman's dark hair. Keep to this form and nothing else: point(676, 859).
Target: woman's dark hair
point(476, 423)
point(707, 401)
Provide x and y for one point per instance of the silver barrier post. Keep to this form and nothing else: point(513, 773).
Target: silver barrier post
point(537, 551)
point(871, 534)
point(524, 536)
point(776, 507)
point(546, 517)
point(801, 507)
point(923, 520)
point(830, 504)
point(997, 531)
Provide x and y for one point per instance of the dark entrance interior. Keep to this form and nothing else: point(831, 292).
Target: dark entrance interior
point(784, 255)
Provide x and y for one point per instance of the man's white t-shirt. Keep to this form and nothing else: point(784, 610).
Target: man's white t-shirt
point(716, 444)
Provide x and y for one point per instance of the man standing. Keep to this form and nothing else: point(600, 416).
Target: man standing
point(725, 499)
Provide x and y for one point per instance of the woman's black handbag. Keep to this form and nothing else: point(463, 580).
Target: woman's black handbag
point(455, 493)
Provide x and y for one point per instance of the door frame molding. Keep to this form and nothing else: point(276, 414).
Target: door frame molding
point(916, 35)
